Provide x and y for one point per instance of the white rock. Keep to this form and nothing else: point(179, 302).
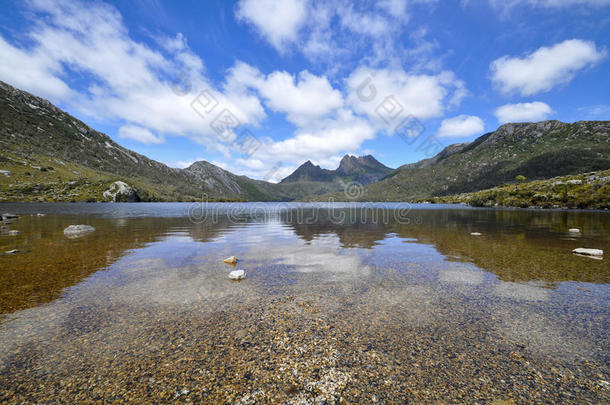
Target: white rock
point(76, 231)
point(574, 230)
point(574, 181)
point(13, 233)
point(237, 275)
point(476, 234)
point(12, 252)
point(588, 252)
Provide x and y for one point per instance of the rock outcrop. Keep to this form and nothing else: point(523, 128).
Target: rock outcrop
point(121, 192)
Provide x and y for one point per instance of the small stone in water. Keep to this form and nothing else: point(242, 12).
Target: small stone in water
point(9, 216)
point(13, 233)
point(476, 234)
point(574, 230)
point(230, 260)
point(76, 231)
point(588, 252)
point(237, 275)
point(11, 252)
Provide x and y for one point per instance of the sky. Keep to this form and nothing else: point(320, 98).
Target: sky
point(259, 87)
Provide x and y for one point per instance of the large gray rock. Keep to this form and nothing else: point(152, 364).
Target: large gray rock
point(76, 231)
point(121, 192)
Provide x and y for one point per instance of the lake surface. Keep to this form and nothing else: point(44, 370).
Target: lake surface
point(344, 303)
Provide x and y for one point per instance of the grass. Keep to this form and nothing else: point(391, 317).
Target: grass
point(586, 191)
point(44, 179)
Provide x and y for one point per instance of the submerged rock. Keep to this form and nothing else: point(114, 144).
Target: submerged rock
point(588, 252)
point(121, 192)
point(9, 216)
point(13, 233)
point(230, 260)
point(476, 234)
point(237, 275)
point(574, 230)
point(12, 252)
point(76, 231)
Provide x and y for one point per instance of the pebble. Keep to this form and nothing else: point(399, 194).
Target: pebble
point(574, 230)
point(476, 234)
point(13, 233)
point(12, 252)
point(237, 275)
point(230, 260)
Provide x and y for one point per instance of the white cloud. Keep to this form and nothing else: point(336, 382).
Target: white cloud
point(418, 95)
point(461, 126)
point(523, 112)
point(303, 98)
point(363, 22)
point(396, 8)
point(508, 4)
point(277, 20)
point(139, 134)
point(33, 71)
point(343, 133)
point(545, 68)
point(329, 32)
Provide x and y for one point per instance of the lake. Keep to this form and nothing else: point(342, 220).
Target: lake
point(343, 303)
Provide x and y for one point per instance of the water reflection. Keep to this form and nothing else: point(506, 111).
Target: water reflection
point(517, 246)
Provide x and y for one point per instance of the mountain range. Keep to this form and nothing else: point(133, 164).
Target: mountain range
point(48, 155)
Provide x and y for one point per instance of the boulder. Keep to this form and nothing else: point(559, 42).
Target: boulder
point(121, 192)
point(76, 231)
point(588, 252)
point(237, 275)
point(230, 260)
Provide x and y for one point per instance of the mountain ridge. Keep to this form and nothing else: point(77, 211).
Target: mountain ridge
point(539, 150)
point(47, 154)
point(363, 169)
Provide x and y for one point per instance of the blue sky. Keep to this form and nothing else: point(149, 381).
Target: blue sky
point(260, 86)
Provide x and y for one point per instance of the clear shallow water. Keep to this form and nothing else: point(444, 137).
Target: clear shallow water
point(354, 302)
